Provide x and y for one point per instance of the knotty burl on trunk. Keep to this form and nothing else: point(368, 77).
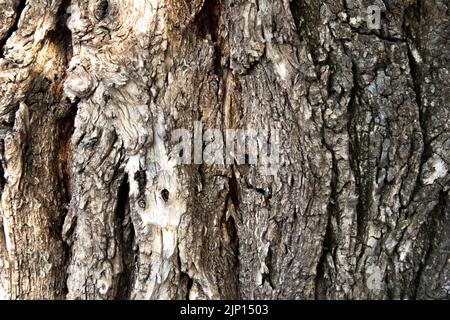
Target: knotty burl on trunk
point(92, 206)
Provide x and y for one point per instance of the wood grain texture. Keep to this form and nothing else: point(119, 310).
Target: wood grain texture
point(94, 206)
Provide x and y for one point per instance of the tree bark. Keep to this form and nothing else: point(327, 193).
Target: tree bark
point(93, 206)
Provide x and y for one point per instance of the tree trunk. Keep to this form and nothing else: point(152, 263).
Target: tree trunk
point(93, 205)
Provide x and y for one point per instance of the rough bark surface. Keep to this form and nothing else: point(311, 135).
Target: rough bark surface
point(94, 207)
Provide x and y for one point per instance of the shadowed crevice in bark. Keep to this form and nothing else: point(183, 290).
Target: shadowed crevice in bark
point(64, 147)
point(126, 236)
point(306, 17)
point(328, 245)
point(207, 20)
point(65, 114)
point(233, 194)
point(61, 35)
point(63, 161)
point(189, 282)
point(207, 25)
point(231, 254)
point(229, 248)
point(13, 28)
point(357, 150)
point(2, 169)
point(267, 276)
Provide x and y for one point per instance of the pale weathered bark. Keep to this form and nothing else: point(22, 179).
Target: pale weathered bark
point(94, 207)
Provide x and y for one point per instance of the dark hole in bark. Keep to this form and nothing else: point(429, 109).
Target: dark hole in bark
point(165, 194)
point(101, 11)
point(234, 190)
point(141, 203)
point(207, 24)
point(207, 20)
point(189, 283)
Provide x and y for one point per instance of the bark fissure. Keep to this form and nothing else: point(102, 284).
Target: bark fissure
point(20, 7)
point(355, 152)
point(328, 244)
point(126, 234)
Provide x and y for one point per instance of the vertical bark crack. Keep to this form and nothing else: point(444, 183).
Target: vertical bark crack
point(328, 244)
point(125, 235)
point(354, 152)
